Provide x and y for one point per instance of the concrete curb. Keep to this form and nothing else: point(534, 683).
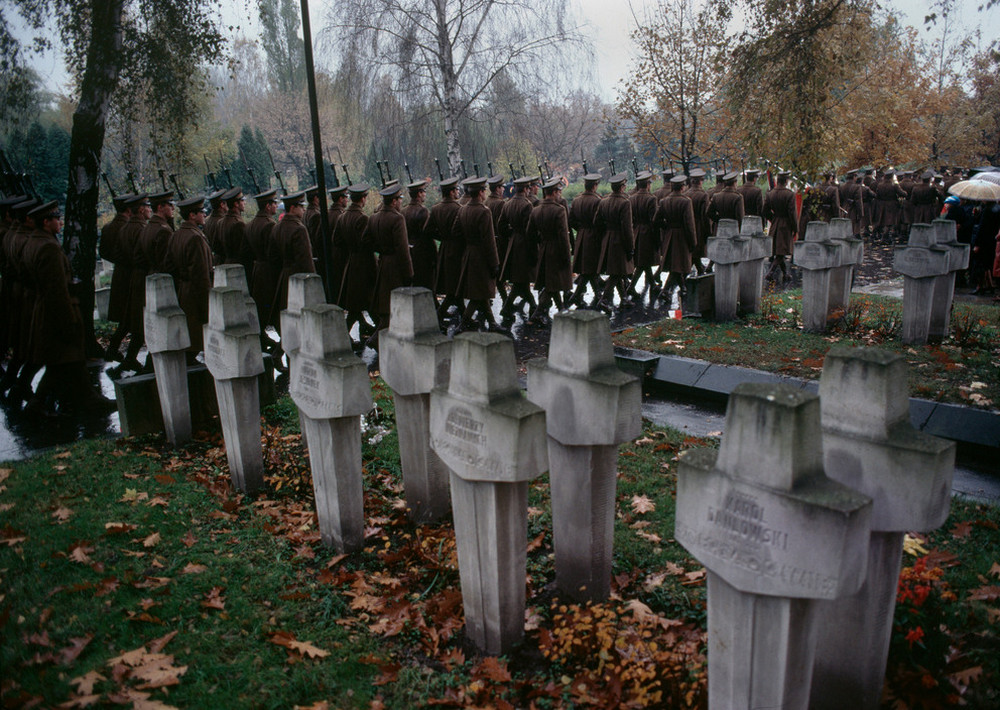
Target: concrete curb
point(669, 372)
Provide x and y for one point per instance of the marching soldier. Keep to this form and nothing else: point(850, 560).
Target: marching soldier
point(266, 270)
point(440, 226)
point(423, 250)
point(213, 226)
point(614, 221)
point(753, 197)
point(587, 252)
point(189, 261)
point(387, 234)
point(548, 226)
point(113, 249)
point(312, 220)
point(22, 302)
point(926, 200)
point(480, 262)
point(667, 174)
point(291, 247)
point(494, 203)
point(675, 219)
point(869, 182)
point(233, 232)
point(727, 203)
point(520, 261)
point(779, 210)
point(906, 184)
point(338, 203)
point(831, 192)
point(702, 222)
point(358, 285)
point(7, 276)
point(648, 251)
point(887, 205)
point(148, 255)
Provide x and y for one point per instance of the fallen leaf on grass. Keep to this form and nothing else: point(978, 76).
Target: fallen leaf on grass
point(106, 587)
point(5, 473)
point(62, 514)
point(995, 570)
point(75, 648)
point(132, 495)
point(691, 578)
point(189, 539)
point(493, 669)
point(165, 478)
point(80, 552)
point(214, 599)
point(642, 504)
point(304, 648)
point(10, 537)
point(118, 528)
point(987, 593)
point(962, 529)
point(193, 568)
point(152, 582)
point(81, 701)
point(158, 500)
point(85, 684)
point(157, 644)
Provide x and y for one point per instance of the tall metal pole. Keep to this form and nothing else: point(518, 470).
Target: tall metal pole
point(324, 221)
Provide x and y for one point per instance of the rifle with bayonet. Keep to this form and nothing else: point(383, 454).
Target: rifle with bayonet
point(635, 166)
point(611, 164)
point(131, 181)
point(388, 169)
point(548, 170)
point(225, 169)
point(107, 182)
point(513, 173)
point(440, 174)
point(177, 188)
point(246, 166)
point(277, 174)
point(409, 177)
point(465, 175)
point(475, 163)
point(381, 176)
point(347, 174)
point(583, 160)
point(210, 174)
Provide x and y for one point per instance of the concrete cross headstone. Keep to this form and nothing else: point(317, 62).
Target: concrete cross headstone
point(416, 357)
point(727, 250)
point(303, 290)
point(818, 256)
point(167, 340)
point(752, 270)
point(922, 262)
point(869, 445)
point(591, 406)
point(852, 255)
point(235, 276)
point(493, 441)
point(775, 535)
point(232, 355)
point(330, 386)
point(946, 236)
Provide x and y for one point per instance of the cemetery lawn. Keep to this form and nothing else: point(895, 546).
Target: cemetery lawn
point(132, 574)
point(960, 370)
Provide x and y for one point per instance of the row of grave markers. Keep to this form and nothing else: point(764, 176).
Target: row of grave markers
point(798, 517)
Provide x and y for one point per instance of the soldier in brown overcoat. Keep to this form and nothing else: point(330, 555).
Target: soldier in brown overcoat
point(779, 210)
point(869, 181)
point(648, 249)
point(494, 203)
point(233, 233)
point(906, 184)
point(926, 200)
point(213, 226)
point(113, 249)
point(519, 262)
point(440, 226)
point(613, 221)
point(480, 261)
point(727, 203)
point(548, 226)
point(148, 255)
point(888, 201)
point(357, 286)
point(265, 270)
point(831, 193)
point(753, 197)
point(387, 235)
point(56, 340)
point(702, 222)
point(423, 250)
point(675, 219)
point(189, 261)
point(338, 203)
point(21, 302)
point(587, 246)
point(313, 222)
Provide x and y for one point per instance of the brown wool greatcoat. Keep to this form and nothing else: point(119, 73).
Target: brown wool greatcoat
point(22, 295)
point(213, 230)
point(56, 334)
point(265, 270)
point(337, 257)
point(675, 219)
point(831, 204)
point(114, 249)
point(779, 210)
point(548, 226)
point(753, 199)
point(148, 255)
point(291, 248)
point(648, 252)
point(423, 250)
point(587, 249)
point(702, 223)
point(441, 226)
point(887, 204)
point(614, 222)
point(387, 233)
point(314, 224)
point(480, 262)
point(495, 206)
point(234, 239)
point(906, 185)
point(357, 285)
point(926, 203)
point(726, 204)
point(520, 260)
point(189, 261)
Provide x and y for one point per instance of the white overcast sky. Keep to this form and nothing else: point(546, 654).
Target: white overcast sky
point(609, 25)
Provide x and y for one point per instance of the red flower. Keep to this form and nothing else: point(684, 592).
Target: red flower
point(914, 635)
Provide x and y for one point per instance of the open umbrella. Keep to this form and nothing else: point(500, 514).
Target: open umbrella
point(989, 177)
point(979, 190)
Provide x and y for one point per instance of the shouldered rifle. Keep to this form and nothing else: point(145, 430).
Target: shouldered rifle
point(611, 164)
point(246, 166)
point(347, 174)
point(475, 163)
point(440, 174)
point(523, 171)
point(548, 170)
point(312, 174)
point(177, 188)
point(465, 175)
point(225, 169)
point(513, 173)
point(541, 173)
point(211, 174)
point(406, 167)
point(388, 170)
point(131, 180)
point(277, 175)
point(336, 180)
point(381, 176)
point(489, 168)
point(31, 187)
point(583, 160)
point(107, 182)
point(635, 166)
point(159, 169)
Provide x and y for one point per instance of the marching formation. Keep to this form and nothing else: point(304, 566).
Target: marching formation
point(483, 237)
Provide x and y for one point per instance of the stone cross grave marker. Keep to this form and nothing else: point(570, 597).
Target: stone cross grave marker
point(818, 257)
point(946, 236)
point(167, 340)
point(416, 357)
point(234, 276)
point(493, 441)
point(591, 407)
point(869, 445)
point(330, 386)
point(303, 290)
point(727, 250)
point(775, 535)
point(752, 270)
point(232, 355)
point(852, 253)
point(921, 262)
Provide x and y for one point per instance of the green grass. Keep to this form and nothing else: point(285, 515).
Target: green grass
point(962, 369)
point(389, 616)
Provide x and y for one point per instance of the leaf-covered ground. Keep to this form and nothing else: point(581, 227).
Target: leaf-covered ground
point(134, 576)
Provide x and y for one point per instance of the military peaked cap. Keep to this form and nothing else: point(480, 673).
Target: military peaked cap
point(752, 174)
point(232, 194)
point(592, 177)
point(266, 197)
point(45, 211)
point(338, 191)
point(161, 198)
point(297, 199)
point(216, 197)
point(192, 204)
point(643, 175)
point(618, 179)
point(358, 189)
point(391, 190)
point(21, 209)
point(678, 179)
point(697, 173)
point(495, 180)
point(729, 177)
point(312, 191)
point(448, 183)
